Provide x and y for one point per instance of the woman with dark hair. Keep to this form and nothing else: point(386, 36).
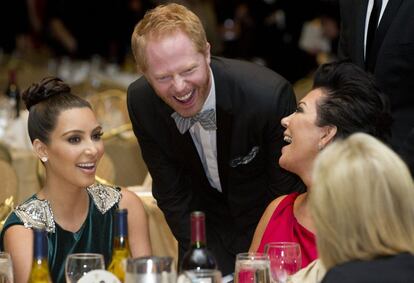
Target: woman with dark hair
point(344, 100)
point(76, 213)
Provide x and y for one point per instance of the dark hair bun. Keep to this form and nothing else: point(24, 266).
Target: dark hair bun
point(44, 89)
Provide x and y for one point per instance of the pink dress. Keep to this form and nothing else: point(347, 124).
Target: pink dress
point(283, 227)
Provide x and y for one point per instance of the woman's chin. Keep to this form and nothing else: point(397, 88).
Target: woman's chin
point(283, 162)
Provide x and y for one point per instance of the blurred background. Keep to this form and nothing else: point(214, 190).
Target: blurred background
point(87, 44)
point(289, 36)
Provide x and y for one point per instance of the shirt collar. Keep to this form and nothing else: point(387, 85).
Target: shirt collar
point(210, 102)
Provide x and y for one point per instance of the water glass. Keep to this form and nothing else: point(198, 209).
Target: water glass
point(79, 264)
point(200, 276)
point(252, 268)
point(150, 270)
point(6, 268)
point(285, 260)
point(99, 276)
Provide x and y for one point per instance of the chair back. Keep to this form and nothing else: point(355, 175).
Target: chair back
point(9, 181)
point(110, 108)
point(8, 193)
point(122, 146)
point(5, 153)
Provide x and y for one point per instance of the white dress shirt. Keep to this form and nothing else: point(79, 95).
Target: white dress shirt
point(206, 143)
point(369, 10)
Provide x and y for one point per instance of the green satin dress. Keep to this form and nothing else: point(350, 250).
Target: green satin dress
point(95, 235)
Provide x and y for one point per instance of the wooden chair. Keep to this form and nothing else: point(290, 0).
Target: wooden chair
point(110, 108)
point(8, 193)
point(106, 169)
point(5, 153)
point(122, 146)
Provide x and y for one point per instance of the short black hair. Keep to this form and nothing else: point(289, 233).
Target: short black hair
point(353, 102)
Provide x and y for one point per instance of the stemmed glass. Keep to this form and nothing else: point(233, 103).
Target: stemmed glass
point(150, 270)
point(79, 264)
point(252, 268)
point(200, 276)
point(285, 260)
point(6, 268)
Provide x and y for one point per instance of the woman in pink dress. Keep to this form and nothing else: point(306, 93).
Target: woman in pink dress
point(344, 100)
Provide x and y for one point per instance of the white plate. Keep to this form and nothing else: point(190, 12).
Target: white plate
point(99, 276)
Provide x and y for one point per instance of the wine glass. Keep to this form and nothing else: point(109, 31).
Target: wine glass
point(252, 268)
point(285, 260)
point(200, 276)
point(6, 268)
point(79, 264)
point(150, 270)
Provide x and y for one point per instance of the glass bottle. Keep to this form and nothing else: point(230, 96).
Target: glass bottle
point(13, 93)
point(198, 256)
point(120, 250)
point(40, 268)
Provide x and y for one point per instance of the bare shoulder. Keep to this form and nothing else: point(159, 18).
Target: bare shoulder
point(18, 242)
point(139, 241)
point(130, 200)
point(16, 232)
point(272, 206)
point(264, 221)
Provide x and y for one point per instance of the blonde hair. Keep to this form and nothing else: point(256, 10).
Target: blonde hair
point(166, 20)
point(361, 201)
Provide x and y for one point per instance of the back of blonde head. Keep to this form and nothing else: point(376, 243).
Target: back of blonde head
point(361, 201)
point(162, 21)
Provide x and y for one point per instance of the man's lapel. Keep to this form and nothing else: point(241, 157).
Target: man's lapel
point(183, 144)
point(224, 137)
point(224, 140)
point(361, 13)
point(385, 22)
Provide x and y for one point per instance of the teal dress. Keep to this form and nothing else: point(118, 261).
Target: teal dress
point(95, 235)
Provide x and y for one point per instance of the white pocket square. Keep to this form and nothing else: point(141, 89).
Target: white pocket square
point(243, 160)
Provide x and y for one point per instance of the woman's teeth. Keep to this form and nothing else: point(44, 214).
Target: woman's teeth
point(86, 165)
point(287, 139)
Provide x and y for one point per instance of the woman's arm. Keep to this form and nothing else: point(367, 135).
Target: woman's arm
point(264, 220)
point(18, 242)
point(138, 232)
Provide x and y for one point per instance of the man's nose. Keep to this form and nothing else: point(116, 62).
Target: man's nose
point(179, 84)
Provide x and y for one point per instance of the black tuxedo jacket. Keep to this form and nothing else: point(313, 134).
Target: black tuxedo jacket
point(392, 269)
point(250, 102)
point(394, 64)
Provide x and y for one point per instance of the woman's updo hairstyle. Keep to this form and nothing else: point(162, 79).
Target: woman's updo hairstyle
point(45, 100)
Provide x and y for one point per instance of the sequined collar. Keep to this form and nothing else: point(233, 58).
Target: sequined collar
point(36, 213)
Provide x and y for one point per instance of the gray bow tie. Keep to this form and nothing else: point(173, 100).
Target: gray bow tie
point(206, 118)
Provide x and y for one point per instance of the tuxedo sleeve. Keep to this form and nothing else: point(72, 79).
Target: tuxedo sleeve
point(170, 185)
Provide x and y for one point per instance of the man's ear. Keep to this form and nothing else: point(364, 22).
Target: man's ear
point(40, 149)
point(207, 53)
point(328, 135)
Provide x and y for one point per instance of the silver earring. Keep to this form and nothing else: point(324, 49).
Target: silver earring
point(320, 147)
point(44, 159)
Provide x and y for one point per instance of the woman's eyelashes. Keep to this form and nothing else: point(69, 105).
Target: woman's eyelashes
point(75, 139)
point(299, 109)
point(97, 136)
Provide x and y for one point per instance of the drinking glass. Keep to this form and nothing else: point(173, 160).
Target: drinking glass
point(99, 276)
point(200, 276)
point(285, 260)
point(150, 270)
point(6, 268)
point(79, 264)
point(252, 268)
